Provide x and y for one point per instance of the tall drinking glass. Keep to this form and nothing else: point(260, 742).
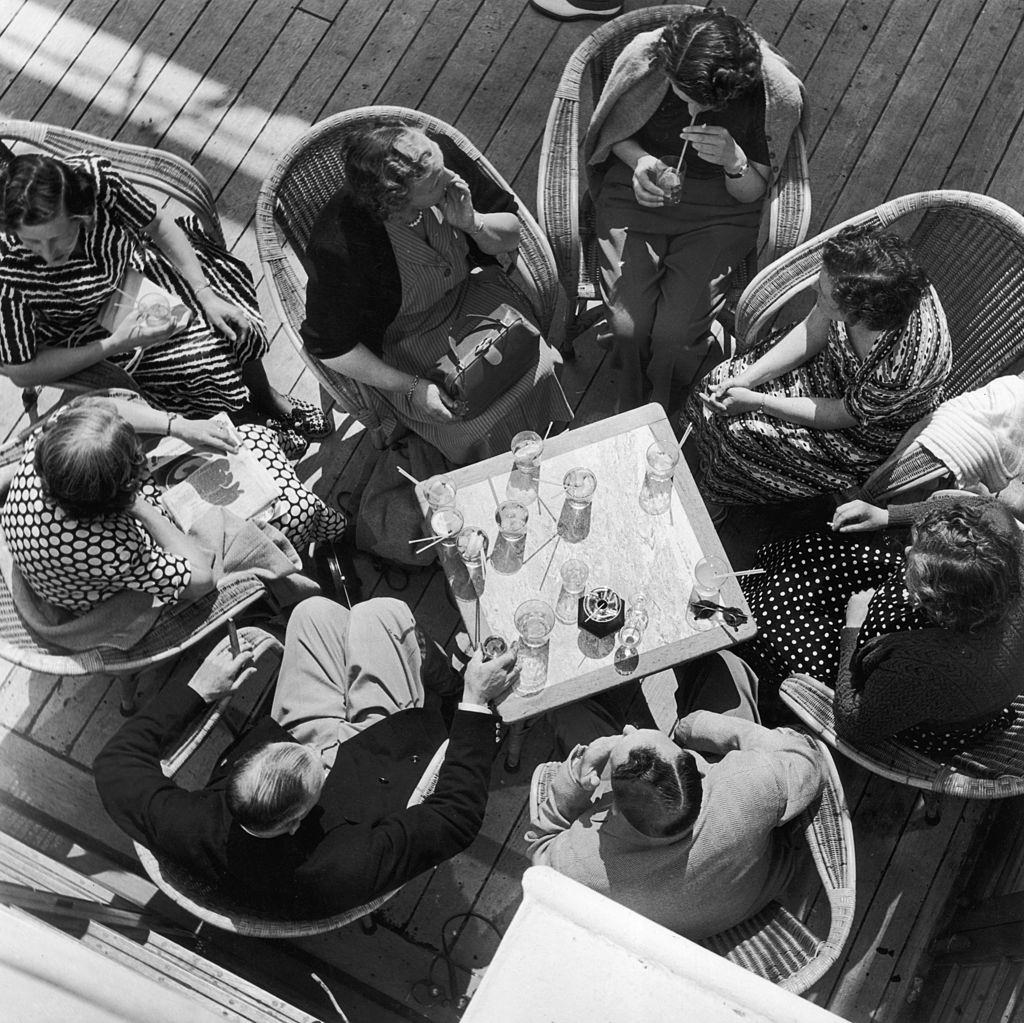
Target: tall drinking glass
point(574, 521)
point(524, 480)
point(574, 582)
point(511, 543)
point(472, 544)
point(440, 492)
point(534, 620)
point(708, 575)
point(656, 491)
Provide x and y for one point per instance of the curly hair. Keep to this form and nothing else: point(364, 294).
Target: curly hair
point(963, 567)
point(656, 795)
point(34, 189)
point(89, 460)
point(876, 280)
point(710, 55)
point(378, 173)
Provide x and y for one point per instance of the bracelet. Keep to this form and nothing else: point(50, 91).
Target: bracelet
point(171, 416)
point(412, 388)
point(742, 171)
point(478, 224)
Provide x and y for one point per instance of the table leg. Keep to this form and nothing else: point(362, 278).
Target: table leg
point(514, 744)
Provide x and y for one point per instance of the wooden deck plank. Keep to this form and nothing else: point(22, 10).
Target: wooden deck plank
point(22, 695)
point(907, 111)
point(836, 155)
point(943, 132)
point(32, 41)
point(70, 705)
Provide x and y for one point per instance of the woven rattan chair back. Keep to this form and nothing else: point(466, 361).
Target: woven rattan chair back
point(299, 187)
point(990, 768)
point(567, 214)
point(774, 943)
point(212, 906)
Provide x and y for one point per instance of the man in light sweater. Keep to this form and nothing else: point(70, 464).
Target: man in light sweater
point(688, 833)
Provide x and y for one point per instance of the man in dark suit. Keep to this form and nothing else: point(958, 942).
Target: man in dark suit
point(306, 815)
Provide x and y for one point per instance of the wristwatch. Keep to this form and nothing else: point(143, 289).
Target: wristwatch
point(739, 174)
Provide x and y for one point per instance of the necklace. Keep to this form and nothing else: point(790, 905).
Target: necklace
point(416, 221)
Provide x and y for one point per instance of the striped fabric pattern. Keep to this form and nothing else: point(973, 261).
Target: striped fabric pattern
point(436, 289)
point(195, 373)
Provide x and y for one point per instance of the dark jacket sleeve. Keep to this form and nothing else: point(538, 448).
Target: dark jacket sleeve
point(355, 863)
point(147, 806)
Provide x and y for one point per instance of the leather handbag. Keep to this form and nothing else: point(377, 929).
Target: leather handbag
point(486, 356)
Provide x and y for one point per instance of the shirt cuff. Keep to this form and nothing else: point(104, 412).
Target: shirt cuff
point(475, 708)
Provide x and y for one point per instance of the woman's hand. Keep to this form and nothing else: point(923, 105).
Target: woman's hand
point(134, 332)
point(733, 400)
point(714, 144)
point(645, 181)
point(458, 205)
point(857, 608)
point(859, 517)
point(434, 403)
point(223, 315)
point(206, 433)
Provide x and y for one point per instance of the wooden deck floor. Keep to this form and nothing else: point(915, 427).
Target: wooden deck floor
point(906, 95)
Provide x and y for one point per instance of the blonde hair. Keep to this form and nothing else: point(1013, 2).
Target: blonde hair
point(270, 785)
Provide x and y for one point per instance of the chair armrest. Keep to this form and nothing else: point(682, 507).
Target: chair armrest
point(262, 645)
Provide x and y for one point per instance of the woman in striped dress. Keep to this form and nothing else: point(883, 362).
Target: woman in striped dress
point(390, 260)
point(817, 409)
point(69, 232)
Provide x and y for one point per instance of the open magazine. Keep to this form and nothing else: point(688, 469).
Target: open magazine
point(211, 479)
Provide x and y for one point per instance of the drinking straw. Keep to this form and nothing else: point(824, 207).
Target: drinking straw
point(547, 432)
point(540, 501)
point(433, 543)
point(541, 547)
point(409, 476)
point(554, 551)
point(686, 435)
point(746, 571)
point(423, 539)
point(476, 642)
point(686, 142)
point(494, 493)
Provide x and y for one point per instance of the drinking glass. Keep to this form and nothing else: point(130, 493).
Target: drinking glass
point(155, 310)
point(512, 518)
point(637, 614)
point(670, 181)
point(574, 581)
point(656, 491)
point(534, 620)
point(440, 492)
point(473, 543)
point(524, 480)
point(494, 646)
point(708, 574)
point(447, 522)
point(580, 484)
point(627, 657)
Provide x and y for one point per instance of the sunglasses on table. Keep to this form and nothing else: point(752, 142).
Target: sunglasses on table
point(733, 616)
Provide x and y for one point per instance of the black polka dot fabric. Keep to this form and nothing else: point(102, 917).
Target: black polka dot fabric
point(74, 564)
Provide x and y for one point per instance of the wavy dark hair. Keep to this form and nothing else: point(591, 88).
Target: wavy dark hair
point(875, 278)
point(89, 460)
point(710, 55)
point(656, 795)
point(378, 173)
point(963, 567)
point(34, 189)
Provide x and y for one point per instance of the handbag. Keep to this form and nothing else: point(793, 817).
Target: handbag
point(486, 356)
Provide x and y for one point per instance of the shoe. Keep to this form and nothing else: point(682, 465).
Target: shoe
point(292, 443)
point(563, 10)
point(308, 420)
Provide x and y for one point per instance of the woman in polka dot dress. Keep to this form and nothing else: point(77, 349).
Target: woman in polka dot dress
point(926, 645)
point(83, 520)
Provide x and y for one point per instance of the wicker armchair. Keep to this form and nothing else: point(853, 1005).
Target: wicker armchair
point(776, 945)
point(213, 907)
point(168, 175)
point(993, 768)
point(177, 628)
point(298, 188)
point(568, 217)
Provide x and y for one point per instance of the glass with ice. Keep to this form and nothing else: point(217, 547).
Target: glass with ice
point(447, 522)
point(656, 490)
point(670, 181)
point(512, 517)
point(708, 575)
point(154, 310)
point(440, 492)
point(527, 447)
point(574, 582)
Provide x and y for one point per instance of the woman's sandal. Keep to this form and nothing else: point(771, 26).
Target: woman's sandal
point(292, 443)
point(308, 420)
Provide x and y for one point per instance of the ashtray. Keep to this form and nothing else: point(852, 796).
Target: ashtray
point(601, 612)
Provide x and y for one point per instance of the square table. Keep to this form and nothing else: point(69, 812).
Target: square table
point(653, 553)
